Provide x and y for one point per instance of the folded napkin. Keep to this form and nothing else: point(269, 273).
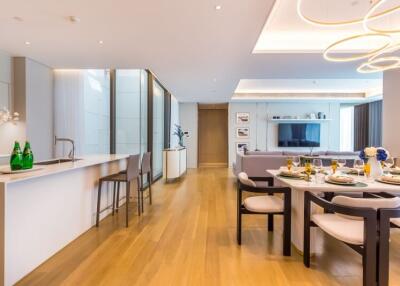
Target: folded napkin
point(354, 171)
point(291, 173)
point(395, 170)
point(341, 179)
point(391, 179)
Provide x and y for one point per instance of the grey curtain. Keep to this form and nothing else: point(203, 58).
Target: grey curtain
point(361, 126)
point(375, 123)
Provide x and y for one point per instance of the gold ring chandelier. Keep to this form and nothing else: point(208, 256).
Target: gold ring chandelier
point(376, 61)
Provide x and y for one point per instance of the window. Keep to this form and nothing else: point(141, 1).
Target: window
point(346, 128)
point(158, 128)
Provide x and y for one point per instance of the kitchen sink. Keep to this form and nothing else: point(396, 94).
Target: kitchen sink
point(56, 161)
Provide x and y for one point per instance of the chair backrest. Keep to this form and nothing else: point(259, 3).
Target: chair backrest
point(244, 179)
point(132, 170)
point(374, 203)
point(146, 162)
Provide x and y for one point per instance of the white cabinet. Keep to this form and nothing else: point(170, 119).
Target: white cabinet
point(174, 163)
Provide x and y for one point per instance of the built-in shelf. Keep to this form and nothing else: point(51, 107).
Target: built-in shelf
point(299, 120)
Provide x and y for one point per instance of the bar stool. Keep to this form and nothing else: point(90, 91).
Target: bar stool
point(132, 173)
point(146, 170)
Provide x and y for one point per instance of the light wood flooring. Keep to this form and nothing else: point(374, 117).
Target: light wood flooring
point(187, 237)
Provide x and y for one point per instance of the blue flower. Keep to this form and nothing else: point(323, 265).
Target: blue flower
point(362, 156)
point(381, 155)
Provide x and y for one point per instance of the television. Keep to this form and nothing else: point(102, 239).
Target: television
point(299, 135)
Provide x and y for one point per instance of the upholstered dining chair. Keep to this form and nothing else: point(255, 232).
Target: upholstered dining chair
point(388, 218)
point(353, 221)
point(131, 174)
point(269, 204)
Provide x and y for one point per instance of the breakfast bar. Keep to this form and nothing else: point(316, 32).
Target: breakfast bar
point(299, 187)
point(44, 210)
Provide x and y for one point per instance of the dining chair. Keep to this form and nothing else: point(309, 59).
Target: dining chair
point(146, 170)
point(353, 221)
point(131, 174)
point(269, 205)
point(388, 218)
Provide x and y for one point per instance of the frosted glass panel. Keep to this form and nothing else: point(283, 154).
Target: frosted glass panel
point(96, 102)
point(158, 128)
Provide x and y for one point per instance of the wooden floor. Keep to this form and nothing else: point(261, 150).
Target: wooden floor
point(187, 237)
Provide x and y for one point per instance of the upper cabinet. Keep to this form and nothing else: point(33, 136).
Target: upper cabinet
point(5, 80)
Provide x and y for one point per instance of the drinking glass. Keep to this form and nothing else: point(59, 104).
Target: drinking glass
point(341, 163)
point(358, 165)
point(289, 163)
point(318, 167)
point(334, 165)
point(389, 163)
point(296, 161)
point(367, 171)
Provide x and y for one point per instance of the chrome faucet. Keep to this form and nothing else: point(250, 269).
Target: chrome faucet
point(71, 154)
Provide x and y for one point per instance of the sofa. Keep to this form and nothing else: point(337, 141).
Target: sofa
point(254, 163)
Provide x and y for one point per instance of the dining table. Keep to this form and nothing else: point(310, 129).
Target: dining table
point(298, 188)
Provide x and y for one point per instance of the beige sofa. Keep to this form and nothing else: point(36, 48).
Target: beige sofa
point(254, 163)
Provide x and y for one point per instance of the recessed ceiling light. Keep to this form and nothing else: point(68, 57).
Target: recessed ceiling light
point(218, 7)
point(101, 42)
point(74, 19)
point(27, 43)
point(18, 19)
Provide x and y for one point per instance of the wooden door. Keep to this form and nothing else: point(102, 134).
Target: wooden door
point(213, 135)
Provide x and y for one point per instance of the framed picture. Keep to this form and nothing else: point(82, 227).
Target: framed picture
point(242, 132)
point(242, 118)
point(240, 146)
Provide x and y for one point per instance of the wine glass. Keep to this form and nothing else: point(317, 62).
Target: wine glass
point(389, 163)
point(296, 161)
point(367, 171)
point(358, 165)
point(334, 165)
point(318, 167)
point(308, 170)
point(289, 163)
point(341, 163)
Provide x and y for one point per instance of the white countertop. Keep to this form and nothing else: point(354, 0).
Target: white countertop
point(4, 155)
point(47, 170)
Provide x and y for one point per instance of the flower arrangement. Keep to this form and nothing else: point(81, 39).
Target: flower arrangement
point(381, 154)
point(178, 132)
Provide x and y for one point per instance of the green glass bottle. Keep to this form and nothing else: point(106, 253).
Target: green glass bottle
point(27, 156)
point(16, 157)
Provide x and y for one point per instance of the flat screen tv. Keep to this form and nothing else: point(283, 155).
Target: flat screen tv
point(299, 135)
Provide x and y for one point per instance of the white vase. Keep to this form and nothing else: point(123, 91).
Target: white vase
point(376, 168)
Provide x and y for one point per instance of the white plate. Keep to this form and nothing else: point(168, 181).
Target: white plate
point(386, 182)
point(341, 183)
point(7, 170)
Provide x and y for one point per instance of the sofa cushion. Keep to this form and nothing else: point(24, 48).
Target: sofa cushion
point(343, 229)
point(341, 153)
point(294, 153)
point(264, 153)
point(264, 204)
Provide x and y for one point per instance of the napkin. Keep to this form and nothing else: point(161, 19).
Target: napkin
point(354, 171)
point(291, 173)
point(395, 170)
point(341, 179)
point(391, 179)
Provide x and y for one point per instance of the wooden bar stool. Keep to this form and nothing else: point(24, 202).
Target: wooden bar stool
point(132, 173)
point(145, 170)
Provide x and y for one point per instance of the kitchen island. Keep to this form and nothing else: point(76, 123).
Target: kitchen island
point(42, 211)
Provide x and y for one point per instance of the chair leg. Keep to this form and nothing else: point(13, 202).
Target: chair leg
point(128, 188)
point(113, 202)
point(307, 229)
point(239, 216)
point(270, 222)
point(287, 233)
point(98, 204)
point(117, 202)
point(383, 258)
point(149, 180)
point(369, 255)
point(139, 192)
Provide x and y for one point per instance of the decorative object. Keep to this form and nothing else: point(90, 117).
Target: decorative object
point(178, 132)
point(374, 156)
point(16, 157)
point(242, 118)
point(174, 163)
point(242, 146)
point(5, 116)
point(27, 157)
point(376, 62)
point(242, 132)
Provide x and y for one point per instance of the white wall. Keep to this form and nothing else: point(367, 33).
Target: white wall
point(263, 133)
point(188, 115)
point(390, 112)
point(174, 121)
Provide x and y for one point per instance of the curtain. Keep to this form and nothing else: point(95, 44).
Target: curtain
point(361, 126)
point(375, 123)
point(69, 109)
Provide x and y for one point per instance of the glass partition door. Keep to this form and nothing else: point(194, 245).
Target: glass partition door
point(158, 129)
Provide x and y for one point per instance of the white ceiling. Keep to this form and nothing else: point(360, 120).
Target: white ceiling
point(197, 52)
